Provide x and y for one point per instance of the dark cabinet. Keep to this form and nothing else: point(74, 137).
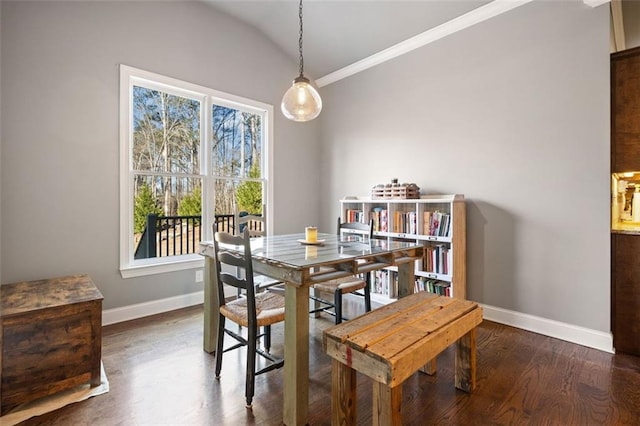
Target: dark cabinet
point(625, 242)
point(625, 292)
point(625, 111)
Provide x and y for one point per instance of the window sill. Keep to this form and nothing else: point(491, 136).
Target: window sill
point(184, 263)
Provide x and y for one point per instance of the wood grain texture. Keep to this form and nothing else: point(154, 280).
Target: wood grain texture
point(402, 336)
point(459, 244)
point(466, 362)
point(343, 394)
point(398, 344)
point(296, 354)
point(626, 293)
point(387, 405)
point(159, 374)
point(51, 337)
point(625, 111)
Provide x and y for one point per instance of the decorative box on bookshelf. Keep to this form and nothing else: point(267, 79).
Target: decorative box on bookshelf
point(396, 190)
point(436, 221)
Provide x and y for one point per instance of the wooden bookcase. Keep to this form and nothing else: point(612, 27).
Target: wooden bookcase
point(443, 269)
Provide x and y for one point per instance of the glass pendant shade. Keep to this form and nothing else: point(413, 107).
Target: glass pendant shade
point(302, 101)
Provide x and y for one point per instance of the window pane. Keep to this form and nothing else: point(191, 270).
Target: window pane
point(167, 216)
point(237, 143)
point(235, 195)
point(166, 132)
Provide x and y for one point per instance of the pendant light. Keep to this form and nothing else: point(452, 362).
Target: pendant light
point(302, 101)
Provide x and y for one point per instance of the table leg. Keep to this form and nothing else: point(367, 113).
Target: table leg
point(210, 306)
point(466, 362)
point(406, 278)
point(296, 355)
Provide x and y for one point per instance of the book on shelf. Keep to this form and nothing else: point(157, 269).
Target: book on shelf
point(384, 221)
point(437, 259)
point(354, 215)
point(385, 283)
point(436, 223)
point(405, 222)
point(379, 217)
point(442, 288)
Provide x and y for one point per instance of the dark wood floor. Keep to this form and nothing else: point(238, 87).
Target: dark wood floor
point(159, 374)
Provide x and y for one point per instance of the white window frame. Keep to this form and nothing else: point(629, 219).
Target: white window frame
point(129, 76)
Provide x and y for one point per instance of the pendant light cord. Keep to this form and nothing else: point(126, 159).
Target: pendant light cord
point(300, 41)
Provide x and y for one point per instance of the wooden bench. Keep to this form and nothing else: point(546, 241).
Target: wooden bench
point(393, 342)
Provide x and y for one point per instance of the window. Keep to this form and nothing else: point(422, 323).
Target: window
point(190, 157)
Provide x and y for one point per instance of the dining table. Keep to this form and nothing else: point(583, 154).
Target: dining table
point(299, 264)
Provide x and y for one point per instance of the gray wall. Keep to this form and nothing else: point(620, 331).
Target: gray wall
point(514, 114)
point(59, 85)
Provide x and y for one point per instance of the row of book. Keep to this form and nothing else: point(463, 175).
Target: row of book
point(433, 223)
point(405, 222)
point(379, 217)
point(385, 283)
point(437, 259)
point(442, 288)
point(436, 223)
point(354, 215)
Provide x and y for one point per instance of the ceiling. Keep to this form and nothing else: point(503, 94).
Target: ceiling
point(340, 33)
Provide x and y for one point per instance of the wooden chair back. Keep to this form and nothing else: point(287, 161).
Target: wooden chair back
point(357, 228)
point(256, 223)
point(238, 262)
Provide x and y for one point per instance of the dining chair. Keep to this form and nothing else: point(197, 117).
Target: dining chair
point(252, 311)
point(255, 223)
point(358, 285)
point(257, 226)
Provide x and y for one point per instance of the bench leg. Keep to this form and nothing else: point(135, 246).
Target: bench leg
point(343, 396)
point(466, 362)
point(386, 405)
point(429, 368)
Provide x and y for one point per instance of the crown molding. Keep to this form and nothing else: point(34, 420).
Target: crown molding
point(595, 3)
point(481, 14)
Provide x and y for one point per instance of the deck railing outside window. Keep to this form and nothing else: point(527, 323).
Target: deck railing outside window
point(176, 235)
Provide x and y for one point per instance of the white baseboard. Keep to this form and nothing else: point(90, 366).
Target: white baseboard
point(139, 310)
point(571, 333)
point(556, 329)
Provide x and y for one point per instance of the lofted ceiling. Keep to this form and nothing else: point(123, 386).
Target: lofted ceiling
point(340, 33)
point(343, 37)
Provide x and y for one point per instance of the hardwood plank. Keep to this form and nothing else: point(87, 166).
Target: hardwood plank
point(372, 319)
point(420, 319)
point(159, 374)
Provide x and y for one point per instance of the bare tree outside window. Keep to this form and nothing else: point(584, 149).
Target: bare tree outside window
point(237, 160)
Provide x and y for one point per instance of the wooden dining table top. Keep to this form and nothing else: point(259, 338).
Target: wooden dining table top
point(331, 257)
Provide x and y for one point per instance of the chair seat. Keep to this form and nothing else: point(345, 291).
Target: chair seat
point(345, 285)
point(269, 309)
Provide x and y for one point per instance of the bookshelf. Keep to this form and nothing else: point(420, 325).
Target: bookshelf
point(436, 221)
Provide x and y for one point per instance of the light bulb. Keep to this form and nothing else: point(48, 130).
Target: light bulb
point(302, 101)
